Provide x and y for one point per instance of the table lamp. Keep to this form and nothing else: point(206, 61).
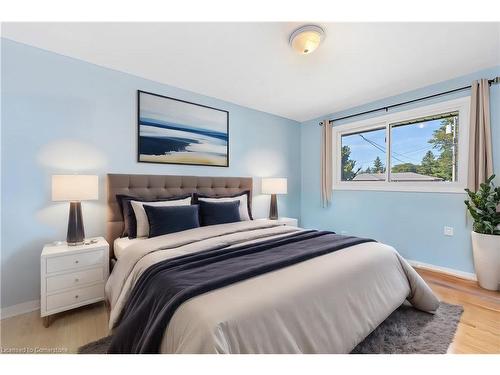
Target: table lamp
point(74, 189)
point(274, 186)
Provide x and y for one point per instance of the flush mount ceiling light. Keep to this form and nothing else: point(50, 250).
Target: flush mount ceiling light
point(306, 39)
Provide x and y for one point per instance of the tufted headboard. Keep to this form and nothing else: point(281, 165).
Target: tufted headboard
point(163, 186)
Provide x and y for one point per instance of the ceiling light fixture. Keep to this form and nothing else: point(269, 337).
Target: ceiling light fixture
point(306, 39)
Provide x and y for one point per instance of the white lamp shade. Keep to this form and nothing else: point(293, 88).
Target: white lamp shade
point(75, 187)
point(274, 186)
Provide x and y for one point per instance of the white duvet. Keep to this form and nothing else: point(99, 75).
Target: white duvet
point(324, 305)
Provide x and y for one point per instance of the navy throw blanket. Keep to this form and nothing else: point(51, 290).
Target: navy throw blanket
point(164, 286)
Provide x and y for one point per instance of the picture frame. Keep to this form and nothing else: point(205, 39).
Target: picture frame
point(175, 131)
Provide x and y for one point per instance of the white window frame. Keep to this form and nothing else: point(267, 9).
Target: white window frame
point(460, 105)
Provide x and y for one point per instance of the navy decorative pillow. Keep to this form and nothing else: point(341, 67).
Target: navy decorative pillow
point(171, 219)
point(128, 214)
point(130, 224)
point(243, 197)
point(213, 213)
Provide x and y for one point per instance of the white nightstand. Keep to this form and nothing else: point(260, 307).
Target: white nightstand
point(72, 276)
point(290, 221)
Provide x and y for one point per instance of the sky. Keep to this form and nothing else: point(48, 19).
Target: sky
point(409, 144)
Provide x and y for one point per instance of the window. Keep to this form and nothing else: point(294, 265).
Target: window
point(423, 149)
point(363, 156)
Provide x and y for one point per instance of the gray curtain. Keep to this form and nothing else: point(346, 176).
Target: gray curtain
point(326, 163)
point(480, 154)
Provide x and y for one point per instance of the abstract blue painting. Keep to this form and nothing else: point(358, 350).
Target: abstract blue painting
point(174, 131)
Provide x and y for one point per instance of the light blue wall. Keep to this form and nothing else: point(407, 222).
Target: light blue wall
point(62, 115)
point(411, 222)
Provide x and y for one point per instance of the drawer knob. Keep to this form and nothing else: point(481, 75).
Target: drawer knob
point(77, 280)
point(76, 261)
point(76, 296)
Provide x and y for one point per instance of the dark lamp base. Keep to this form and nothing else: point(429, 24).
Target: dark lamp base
point(76, 233)
point(273, 209)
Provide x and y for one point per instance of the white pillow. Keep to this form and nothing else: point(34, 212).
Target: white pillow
point(142, 218)
point(244, 216)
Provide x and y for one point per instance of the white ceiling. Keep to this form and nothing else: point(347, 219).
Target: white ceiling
point(252, 65)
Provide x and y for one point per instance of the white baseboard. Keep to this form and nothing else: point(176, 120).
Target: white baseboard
point(445, 270)
point(20, 308)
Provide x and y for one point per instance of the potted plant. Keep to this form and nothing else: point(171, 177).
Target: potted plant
point(482, 206)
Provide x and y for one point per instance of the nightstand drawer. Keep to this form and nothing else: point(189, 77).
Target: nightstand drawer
point(66, 262)
point(74, 279)
point(57, 301)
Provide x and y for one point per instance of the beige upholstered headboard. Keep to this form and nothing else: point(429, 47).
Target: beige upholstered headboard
point(163, 186)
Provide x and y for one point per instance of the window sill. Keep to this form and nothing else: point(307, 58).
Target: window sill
point(401, 187)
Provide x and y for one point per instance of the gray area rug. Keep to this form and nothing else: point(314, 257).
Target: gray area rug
point(405, 331)
point(411, 331)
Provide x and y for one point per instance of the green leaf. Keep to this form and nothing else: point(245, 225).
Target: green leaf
point(482, 206)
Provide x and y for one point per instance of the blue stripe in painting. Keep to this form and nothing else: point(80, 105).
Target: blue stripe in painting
point(164, 125)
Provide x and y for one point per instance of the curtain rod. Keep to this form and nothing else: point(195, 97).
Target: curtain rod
point(490, 81)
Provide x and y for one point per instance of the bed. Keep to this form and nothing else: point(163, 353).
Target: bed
point(326, 303)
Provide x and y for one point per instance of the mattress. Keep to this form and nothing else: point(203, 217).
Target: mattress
point(121, 244)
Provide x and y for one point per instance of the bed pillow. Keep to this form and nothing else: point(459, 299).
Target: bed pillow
point(128, 215)
point(126, 211)
point(213, 213)
point(171, 219)
point(141, 217)
point(243, 198)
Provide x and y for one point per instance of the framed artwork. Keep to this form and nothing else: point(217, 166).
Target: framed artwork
point(173, 131)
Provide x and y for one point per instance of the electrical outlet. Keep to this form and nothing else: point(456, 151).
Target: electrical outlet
point(448, 231)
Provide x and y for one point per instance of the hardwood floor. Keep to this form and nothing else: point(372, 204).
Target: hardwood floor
point(66, 333)
point(479, 328)
point(478, 331)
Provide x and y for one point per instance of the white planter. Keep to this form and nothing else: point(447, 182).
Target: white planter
point(486, 251)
